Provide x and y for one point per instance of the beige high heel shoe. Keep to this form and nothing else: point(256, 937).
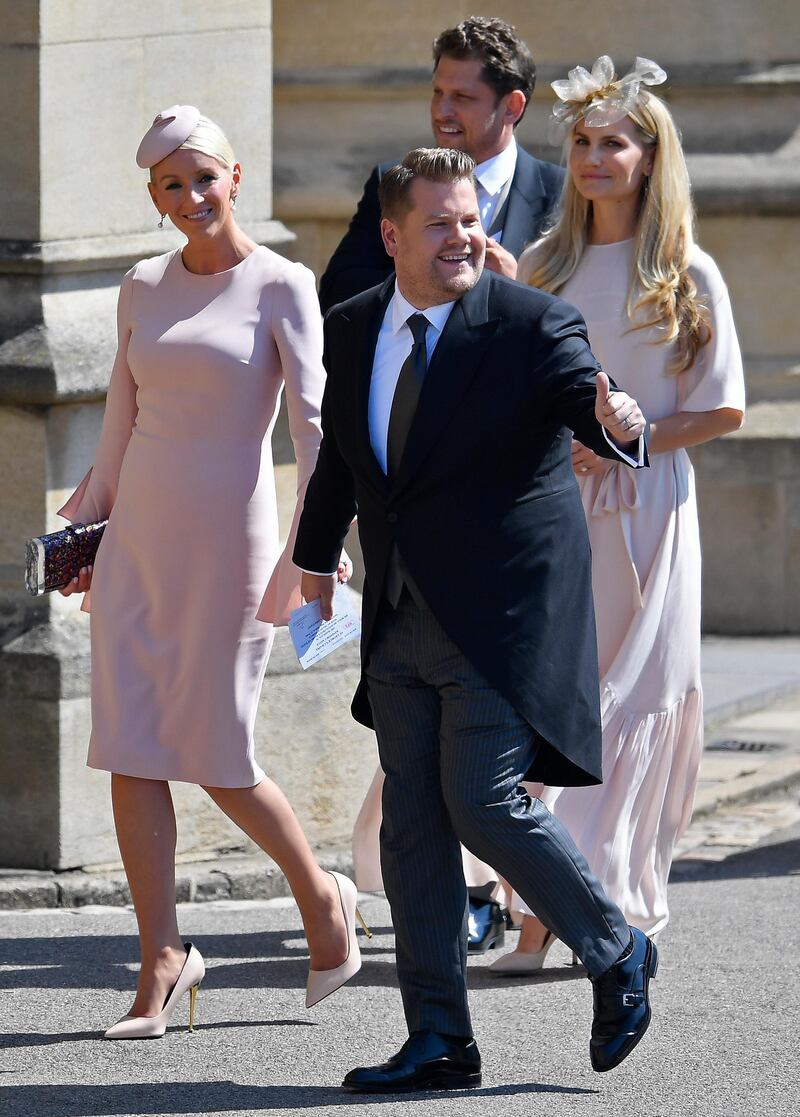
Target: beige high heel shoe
point(321, 983)
point(151, 1027)
point(519, 962)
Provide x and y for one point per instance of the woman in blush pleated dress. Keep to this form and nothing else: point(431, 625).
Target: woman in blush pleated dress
point(190, 575)
point(660, 322)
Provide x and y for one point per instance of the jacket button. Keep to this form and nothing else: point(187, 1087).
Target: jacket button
point(391, 517)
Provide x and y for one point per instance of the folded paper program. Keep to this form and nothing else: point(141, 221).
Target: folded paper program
point(600, 98)
point(314, 638)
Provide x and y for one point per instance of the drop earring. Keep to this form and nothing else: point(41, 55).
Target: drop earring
point(161, 222)
point(233, 202)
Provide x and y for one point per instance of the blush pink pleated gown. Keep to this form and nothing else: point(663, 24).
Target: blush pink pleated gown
point(644, 532)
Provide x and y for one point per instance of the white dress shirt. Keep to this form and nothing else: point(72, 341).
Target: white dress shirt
point(492, 177)
point(395, 342)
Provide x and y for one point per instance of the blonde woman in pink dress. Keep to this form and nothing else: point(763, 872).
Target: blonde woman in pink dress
point(660, 322)
point(189, 575)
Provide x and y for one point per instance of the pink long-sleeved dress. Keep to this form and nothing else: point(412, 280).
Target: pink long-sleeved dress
point(191, 556)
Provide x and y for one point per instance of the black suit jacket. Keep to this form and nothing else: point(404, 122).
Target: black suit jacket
point(485, 509)
point(360, 261)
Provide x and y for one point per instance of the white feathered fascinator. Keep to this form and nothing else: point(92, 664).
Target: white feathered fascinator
point(600, 98)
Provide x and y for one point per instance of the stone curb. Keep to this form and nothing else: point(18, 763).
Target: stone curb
point(775, 775)
point(228, 878)
point(717, 716)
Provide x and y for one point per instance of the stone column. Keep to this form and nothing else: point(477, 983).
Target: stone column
point(79, 84)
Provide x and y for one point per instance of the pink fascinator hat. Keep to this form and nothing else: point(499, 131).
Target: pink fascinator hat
point(169, 130)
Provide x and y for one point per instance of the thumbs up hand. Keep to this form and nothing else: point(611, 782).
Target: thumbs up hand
point(603, 389)
point(618, 413)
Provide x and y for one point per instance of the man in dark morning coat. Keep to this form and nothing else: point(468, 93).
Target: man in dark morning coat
point(482, 81)
point(450, 404)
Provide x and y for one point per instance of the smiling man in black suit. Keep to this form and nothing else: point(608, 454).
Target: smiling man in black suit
point(451, 399)
point(483, 79)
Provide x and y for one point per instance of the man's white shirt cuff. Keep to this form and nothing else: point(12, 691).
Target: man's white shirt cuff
point(635, 462)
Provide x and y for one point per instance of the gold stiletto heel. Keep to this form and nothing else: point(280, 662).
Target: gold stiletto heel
point(362, 921)
point(150, 1027)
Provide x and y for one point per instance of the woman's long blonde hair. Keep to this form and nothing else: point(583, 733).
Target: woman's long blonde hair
point(662, 293)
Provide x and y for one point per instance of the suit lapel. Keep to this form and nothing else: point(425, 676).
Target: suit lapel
point(455, 361)
point(525, 204)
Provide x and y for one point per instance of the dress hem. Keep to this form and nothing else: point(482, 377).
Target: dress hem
point(118, 771)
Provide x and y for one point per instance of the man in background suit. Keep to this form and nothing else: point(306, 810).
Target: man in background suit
point(483, 79)
point(450, 403)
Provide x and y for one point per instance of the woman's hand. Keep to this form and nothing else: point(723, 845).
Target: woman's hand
point(585, 462)
point(499, 259)
point(80, 584)
point(344, 571)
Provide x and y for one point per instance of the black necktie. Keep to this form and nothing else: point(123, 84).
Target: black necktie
point(406, 394)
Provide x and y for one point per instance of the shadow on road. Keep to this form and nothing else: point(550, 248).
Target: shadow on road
point(225, 1097)
point(9, 1040)
point(479, 977)
point(247, 960)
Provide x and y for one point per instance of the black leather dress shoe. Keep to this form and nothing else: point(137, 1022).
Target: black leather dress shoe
point(622, 1004)
point(426, 1061)
point(486, 927)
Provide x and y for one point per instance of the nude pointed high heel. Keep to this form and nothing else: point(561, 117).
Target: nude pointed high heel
point(321, 983)
point(517, 963)
point(151, 1027)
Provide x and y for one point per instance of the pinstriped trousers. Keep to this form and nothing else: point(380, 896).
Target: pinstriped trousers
point(454, 752)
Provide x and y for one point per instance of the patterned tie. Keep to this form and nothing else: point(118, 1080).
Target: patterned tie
point(406, 394)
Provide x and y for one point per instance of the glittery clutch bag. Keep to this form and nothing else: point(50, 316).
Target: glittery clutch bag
point(53, 560)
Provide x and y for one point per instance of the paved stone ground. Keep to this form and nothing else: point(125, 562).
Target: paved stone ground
point(723, 1042)
point(743, 798)
point(737, 828)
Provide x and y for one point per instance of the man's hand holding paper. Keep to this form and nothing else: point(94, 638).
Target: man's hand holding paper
point(314, 635)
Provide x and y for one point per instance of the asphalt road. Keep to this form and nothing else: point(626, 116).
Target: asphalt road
point(724, 1040)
